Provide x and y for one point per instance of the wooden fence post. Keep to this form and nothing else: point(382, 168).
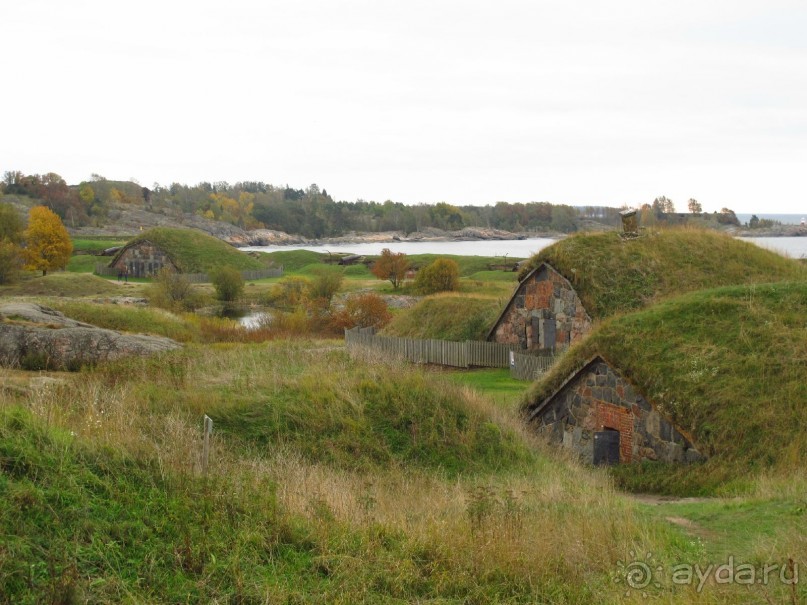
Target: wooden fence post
point(208, 428)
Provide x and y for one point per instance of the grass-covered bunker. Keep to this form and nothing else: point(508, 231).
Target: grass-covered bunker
point(543, 313)
point(593, 276)
point(602, 417)
point(181, 250)
point(726, 368)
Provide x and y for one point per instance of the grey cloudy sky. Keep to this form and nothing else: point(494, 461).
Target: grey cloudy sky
point(582, 102)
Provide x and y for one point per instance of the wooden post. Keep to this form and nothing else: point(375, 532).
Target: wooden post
point(208, 428)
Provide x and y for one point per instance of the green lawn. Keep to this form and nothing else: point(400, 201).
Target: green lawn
point(496, 383)
point(745, 528)
point(85, 263)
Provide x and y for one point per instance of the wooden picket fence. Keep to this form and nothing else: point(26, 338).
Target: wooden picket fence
point(530, 367)
point(199, 278)
point(464, 354)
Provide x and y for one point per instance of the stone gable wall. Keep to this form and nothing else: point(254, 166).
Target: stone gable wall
point(545, 313)
point(143, 259)
point(599, 399)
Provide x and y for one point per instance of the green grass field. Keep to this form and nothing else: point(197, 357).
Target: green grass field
point(494, 383)
point(97, 244)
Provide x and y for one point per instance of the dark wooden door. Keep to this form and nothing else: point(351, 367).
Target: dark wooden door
point(606, 447)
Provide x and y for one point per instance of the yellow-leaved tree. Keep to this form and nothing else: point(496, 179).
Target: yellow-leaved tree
point(47, 243)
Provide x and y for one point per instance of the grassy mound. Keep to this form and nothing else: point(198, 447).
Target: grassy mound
point(612, 275)
point(103, 499)
point(84, 522)
point(62, 284)
point(293, 260)
point(729, 365)
point(348, 415)
point(468, 265)
point(445, 317)
point(196, 252)
point(72, 512)
point(128, 318)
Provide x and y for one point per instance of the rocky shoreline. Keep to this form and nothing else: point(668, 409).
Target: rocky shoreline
point(778, 231)
point(127, 221)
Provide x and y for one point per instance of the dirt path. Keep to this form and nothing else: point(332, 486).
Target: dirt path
point(687, 524)
point(655, 499)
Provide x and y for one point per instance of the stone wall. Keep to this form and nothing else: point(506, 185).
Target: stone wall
point(544, 313)
point(142, 259)
point(596, 399)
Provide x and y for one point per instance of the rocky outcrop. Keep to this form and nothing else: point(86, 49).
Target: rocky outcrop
point(126, 220)
point(37, 337)
point(264, 237)
point(775, 231)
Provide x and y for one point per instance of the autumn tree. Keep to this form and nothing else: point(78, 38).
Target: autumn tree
point(366, 310)
point(392, 266)
point(694, 206)
point(325, 285)
point(47, 243)
point(442, 275)
point(87, 194)
point(663, 205)
point(727, 217)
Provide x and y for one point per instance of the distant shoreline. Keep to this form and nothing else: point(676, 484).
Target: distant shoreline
point(266, 237)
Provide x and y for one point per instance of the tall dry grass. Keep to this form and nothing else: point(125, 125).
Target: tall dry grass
point(550, 527)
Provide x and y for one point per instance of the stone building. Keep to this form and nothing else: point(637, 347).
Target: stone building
point(544, 313)
point(601, 416)
point(142, 258)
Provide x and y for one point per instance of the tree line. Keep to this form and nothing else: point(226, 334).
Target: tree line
point(310, 212)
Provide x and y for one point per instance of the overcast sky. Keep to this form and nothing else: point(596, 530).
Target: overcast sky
point(580, 102)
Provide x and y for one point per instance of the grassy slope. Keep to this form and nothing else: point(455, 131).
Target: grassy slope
point(729, 365)
point(332, 481)
point(101, 501)
point(293, 260)
point(127, 318)
point(96, 244)
point(445, 317)
point(61, 284)
point(197, 252)
point(495, 383)
point(344, 414)
point(613, 275)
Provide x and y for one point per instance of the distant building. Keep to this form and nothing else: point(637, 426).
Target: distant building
point(544, 313)
point(598, 414)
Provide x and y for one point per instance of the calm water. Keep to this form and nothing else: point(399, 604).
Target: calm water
point(522, 248)
point(795, 247)
point(253, 319)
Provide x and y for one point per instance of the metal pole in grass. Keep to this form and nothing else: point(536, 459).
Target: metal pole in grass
point(208, 428)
